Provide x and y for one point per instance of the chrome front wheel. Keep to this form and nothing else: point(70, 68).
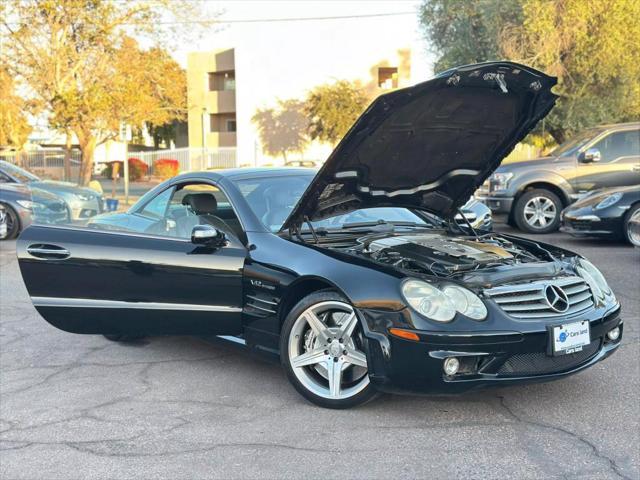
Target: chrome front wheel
point(539, 212)
point(324, 352)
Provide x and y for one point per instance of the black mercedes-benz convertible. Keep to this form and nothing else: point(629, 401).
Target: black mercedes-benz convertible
point(359, 277)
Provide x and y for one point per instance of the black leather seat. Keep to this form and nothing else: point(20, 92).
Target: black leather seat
point(203, 207)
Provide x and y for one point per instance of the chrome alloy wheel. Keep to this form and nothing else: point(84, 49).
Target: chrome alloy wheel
point(539, 212)
point(325, 351)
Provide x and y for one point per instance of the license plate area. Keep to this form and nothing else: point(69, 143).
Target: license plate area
point(569, 337)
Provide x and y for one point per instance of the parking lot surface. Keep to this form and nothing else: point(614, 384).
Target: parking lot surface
point(82, 407)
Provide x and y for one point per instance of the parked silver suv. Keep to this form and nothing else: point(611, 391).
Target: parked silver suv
point(532, 193)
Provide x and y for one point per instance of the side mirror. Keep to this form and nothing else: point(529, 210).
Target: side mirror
point(208, 236)
point(590, 155)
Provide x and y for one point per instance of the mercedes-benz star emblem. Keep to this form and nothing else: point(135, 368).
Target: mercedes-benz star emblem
point(556, 298)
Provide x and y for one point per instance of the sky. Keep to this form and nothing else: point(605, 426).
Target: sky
point(399, 29)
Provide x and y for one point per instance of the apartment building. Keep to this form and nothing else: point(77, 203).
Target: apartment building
point(226, 87)
point(211, 85)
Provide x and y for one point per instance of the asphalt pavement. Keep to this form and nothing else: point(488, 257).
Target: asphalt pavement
point(81, 407)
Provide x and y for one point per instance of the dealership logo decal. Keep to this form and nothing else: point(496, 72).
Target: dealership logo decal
point(556, 298)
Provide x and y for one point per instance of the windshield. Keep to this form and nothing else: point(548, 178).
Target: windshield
point(17, 172)
point(272, 200)
point(571, 147)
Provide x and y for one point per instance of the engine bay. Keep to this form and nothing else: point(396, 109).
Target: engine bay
point(441, 254)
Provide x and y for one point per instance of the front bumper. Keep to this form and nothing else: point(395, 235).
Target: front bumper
point(496, 358)
point(498, 204)
point(588, 223)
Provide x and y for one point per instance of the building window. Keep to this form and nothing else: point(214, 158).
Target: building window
point(388, 77)
point(219, 81)
point(222, 122)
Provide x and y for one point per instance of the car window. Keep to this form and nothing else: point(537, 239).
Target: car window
point(367, 215)
point(177, 210)
point(157, 207)
point(273, 198)
point(619, 144)
point(571, 146)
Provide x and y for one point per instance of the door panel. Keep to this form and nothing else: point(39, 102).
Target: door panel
point(619, 165)
point(109, 282)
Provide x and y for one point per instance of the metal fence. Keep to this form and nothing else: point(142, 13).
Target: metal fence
point(47, 163)
point(191, 159)
point(45, 158)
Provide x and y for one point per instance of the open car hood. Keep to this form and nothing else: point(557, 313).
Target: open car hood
point(429, 146)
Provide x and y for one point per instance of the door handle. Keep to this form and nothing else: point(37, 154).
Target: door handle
point(53, 252)
point(635, 168)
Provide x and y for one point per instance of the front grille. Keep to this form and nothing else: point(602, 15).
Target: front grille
point(539, 363)
point(529, 300)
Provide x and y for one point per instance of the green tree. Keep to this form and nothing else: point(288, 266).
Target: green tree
point(591, 46)
point(79, 62)
point(466, 31)
point(282, 129)
point(593, 49)
point(332, 109)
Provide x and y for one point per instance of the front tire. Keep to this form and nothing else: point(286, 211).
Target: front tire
point(626, 226)
point(538, 211)
point(322, 349)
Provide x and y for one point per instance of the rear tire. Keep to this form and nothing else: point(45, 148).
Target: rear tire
point(538, 211)
point(12, 221)
point(322, 350)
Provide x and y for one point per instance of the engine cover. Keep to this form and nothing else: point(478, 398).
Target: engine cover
point(449, 253)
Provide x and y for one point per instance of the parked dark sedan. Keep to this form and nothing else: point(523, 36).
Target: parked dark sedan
point(83, 202)
point(20, 206)
point(361, 281)
point(605, 213)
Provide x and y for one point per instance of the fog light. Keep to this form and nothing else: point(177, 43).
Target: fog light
point(451, 366)
point(614, 334)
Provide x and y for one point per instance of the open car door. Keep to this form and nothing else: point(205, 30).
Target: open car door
point(85, 280)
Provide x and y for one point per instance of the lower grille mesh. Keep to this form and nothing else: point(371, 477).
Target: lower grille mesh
point(538, 363)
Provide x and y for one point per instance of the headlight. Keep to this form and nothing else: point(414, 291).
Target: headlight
point(428, 301)
point(594, 278)
point(466, 302)
point(609, 200)
point(28, 204)
point(500, 181)
point(83, 196)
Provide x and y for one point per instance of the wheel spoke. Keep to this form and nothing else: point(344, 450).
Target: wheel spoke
point(335, 377)
point(348, 325)
point(317, 325)
point(309, 358)
point(356, 357)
